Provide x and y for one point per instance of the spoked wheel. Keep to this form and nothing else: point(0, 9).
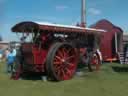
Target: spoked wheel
point(95, 63)
point(61, 61)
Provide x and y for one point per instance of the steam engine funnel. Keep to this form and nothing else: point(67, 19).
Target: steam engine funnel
point(83, 24)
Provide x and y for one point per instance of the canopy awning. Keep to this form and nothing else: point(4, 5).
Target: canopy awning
point(29, 26)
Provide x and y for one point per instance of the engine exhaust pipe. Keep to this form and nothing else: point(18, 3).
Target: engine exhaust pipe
point(83, 12)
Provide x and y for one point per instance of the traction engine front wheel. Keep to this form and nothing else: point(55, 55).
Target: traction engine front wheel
point(61, 61)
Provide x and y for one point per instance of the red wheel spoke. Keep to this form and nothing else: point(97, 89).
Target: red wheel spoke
point(57, 62)
point(68, 72)
point(70, 65)
point(64, 52)
point(60, 53)
point(68, 51)
point(57, 57)
point(64, 75)
point(58, 72)
point(70, 57)
point(57, 67)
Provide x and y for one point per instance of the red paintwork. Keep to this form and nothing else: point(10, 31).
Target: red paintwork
point(39, 56)
point(107, 37)
point(39, 59)
point(34, 56)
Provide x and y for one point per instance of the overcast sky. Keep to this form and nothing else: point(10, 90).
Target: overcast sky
point(60, 11)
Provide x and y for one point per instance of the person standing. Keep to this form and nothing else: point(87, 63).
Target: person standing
point(10, 60)
point(14, 51)
point(1, 54)
point(6, 52)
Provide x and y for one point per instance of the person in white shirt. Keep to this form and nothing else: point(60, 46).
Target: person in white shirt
point(14, 52)
point(100, 55)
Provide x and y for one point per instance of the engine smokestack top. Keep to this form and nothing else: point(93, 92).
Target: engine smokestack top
point(83, 11)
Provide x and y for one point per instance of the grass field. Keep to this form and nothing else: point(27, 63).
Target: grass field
point(103, 83)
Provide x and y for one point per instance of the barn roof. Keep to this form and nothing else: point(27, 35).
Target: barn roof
point(27, 26)
point(106, 25)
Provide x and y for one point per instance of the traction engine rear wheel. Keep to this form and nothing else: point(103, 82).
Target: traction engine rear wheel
point(61, 61)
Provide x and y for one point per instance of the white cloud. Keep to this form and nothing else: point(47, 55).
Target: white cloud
point(61, 7)
point(94, 11)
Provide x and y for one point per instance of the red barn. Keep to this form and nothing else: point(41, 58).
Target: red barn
point(111, 40)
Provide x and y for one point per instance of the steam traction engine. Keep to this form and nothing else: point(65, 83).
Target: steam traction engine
point(56, 49)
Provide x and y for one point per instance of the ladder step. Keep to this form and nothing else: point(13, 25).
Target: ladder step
point(122, 59)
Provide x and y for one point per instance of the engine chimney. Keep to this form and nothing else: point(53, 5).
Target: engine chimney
point(83, 24)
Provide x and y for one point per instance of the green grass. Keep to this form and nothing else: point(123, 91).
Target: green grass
point(103, 83)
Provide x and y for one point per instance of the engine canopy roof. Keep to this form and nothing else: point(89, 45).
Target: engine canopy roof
point(29, 26)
